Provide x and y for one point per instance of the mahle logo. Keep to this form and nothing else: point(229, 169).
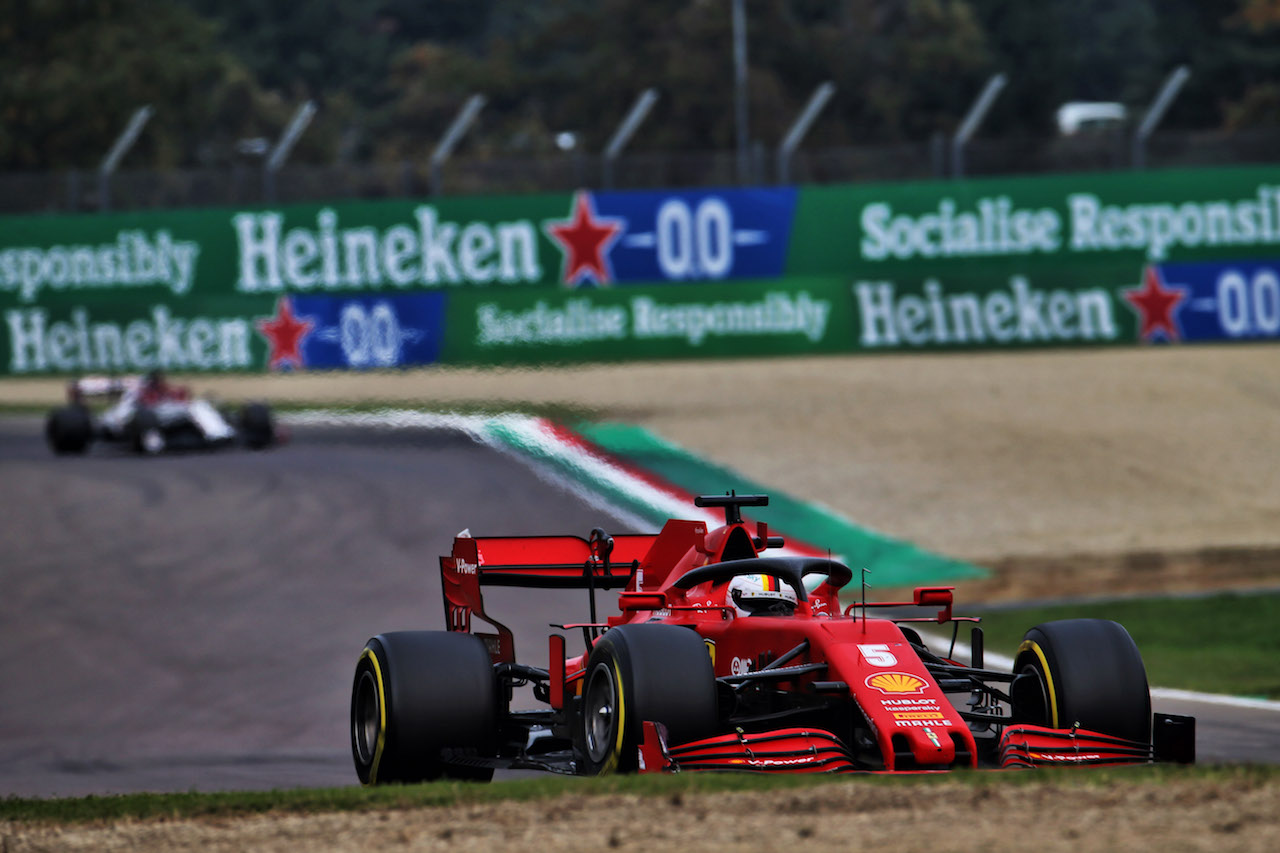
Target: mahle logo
point(1019, 315)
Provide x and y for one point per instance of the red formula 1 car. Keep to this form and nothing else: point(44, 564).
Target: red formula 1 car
point(724, 659)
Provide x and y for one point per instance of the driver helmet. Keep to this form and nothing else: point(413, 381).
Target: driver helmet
point(758, 594)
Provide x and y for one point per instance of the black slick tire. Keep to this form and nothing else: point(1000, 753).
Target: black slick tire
point(145, 435)
point(257, 427)
point(1085, 672)
point(417, 694)
point(69, 429)
point(639, 673)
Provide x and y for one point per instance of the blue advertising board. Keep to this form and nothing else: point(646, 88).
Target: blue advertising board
point(357, 332)
point(1208, 301)
point(675, 236)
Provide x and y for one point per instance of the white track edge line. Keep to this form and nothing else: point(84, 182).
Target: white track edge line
point(1172, 694)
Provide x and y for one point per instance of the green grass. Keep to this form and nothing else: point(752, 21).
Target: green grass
point(1224, 643)
point(672, 787)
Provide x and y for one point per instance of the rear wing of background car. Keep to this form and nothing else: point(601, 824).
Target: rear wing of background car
point(548, 562)
point(100, 386)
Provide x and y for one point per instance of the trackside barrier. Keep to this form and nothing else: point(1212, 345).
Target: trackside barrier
point(1104, 259)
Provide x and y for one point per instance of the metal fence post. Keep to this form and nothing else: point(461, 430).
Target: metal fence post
point(740, 86)
point(969, 126)
point(800, 127)
point(639, 110)
point(1172, 84)
point(301, 118)
point(121, 147)
point(444, 150)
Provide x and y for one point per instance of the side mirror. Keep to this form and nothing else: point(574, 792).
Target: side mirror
point(936, 596)
point(629, 602)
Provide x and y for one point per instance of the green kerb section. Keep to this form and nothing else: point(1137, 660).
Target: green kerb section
point(891, 562)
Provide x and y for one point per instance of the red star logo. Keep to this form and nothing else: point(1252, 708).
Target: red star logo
point(284, 333)
point(1156, 304)
point(585, 240)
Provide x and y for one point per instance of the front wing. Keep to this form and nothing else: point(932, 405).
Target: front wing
point(802, 750)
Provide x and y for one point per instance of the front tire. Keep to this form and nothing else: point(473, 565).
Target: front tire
point(417, 694)
point(1085, 672)
point(639, 673)
point(145, 434)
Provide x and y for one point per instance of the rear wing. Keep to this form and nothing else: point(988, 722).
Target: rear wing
point(546, 562)
point(101, 386)
point(633, 562)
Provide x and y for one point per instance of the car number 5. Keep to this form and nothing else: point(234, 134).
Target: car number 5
point(877, 654)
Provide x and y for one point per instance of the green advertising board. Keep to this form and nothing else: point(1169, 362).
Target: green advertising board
point(1100, 259)
point(1021, 225)
point(191, 290)
point(742, 318)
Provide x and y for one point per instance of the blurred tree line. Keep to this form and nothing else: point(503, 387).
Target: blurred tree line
point(389, 75)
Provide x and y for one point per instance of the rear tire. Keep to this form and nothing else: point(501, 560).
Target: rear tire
point(1082, 671)
point(639, 673)
point(69, 429)
point(415, 694)
point(257, 427)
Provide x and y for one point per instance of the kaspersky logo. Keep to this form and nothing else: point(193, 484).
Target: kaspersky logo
point(896, 683)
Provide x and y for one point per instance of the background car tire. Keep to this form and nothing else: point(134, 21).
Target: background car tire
point(145, 434)
point(69, 429)
point(257, 427)
point(638, 673)
point(416, 693)
point(1085, 671)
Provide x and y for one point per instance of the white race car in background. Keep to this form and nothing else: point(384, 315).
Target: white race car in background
point(148, 415)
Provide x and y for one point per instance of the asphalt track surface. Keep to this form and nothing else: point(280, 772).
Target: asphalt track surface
point(192, 621)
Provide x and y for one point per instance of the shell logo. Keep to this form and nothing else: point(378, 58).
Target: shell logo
point(896, 683)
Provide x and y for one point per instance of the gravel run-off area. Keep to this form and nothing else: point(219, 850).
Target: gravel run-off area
point(953, 817)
